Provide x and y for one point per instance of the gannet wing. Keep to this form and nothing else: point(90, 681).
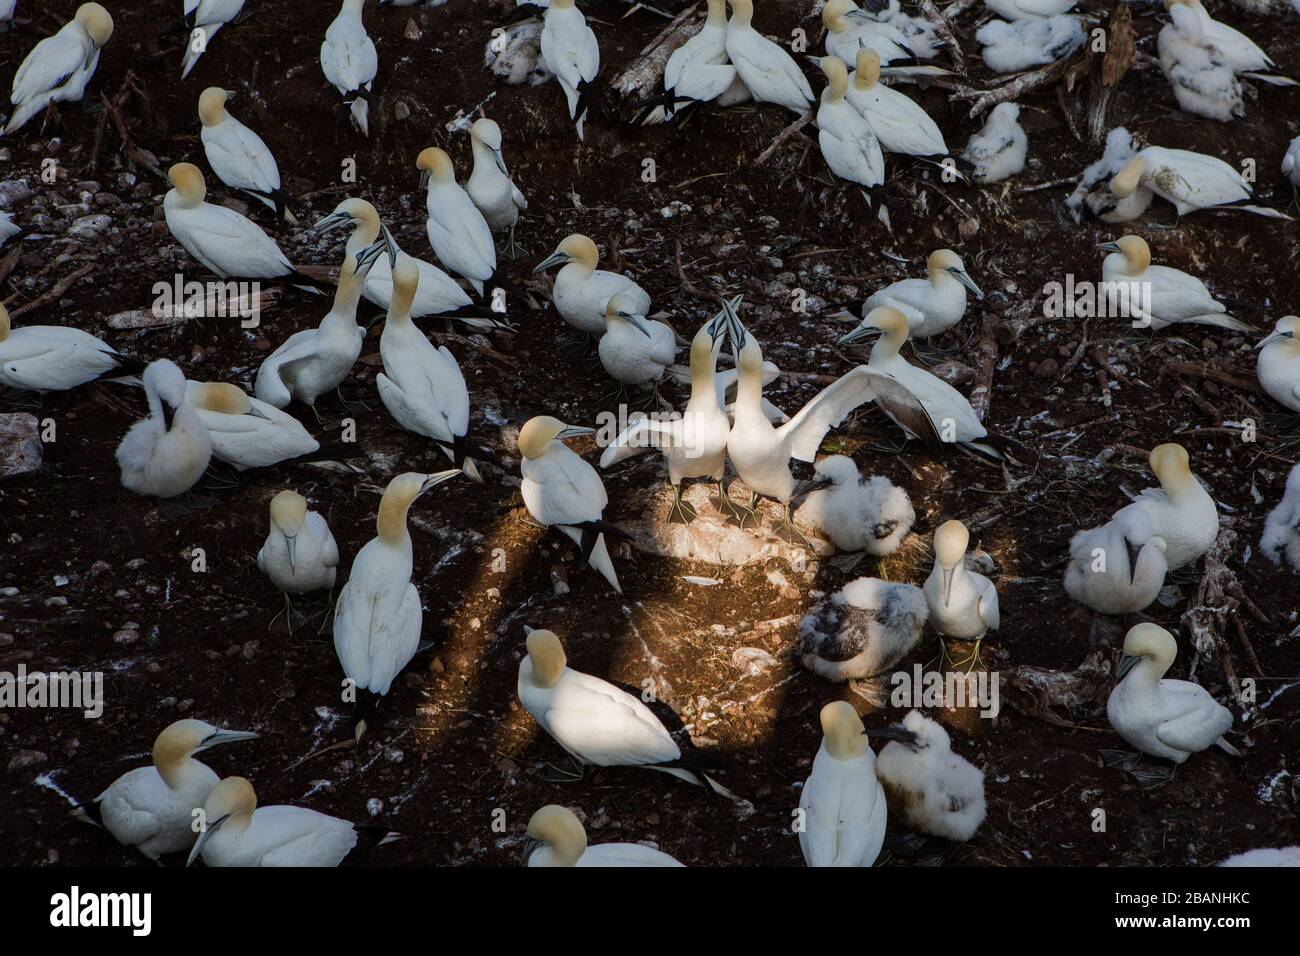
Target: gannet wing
point(819, 840)
point(1196, 729)
point(58, 369)
point(48, 66)
point(244, 154)
point(826, 410)
point(421, 421)
point(242, 248)
point(607, 727)
point(640, 436)
point(376, 634)
point(270, 386)
point(565, 493)
point(989, 610)
point(705, 81)
point(857, 155)
point(321, 530)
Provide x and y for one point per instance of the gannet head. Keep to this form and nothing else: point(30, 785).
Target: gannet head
point(1147, 640)
point(289, 516)
point(845, 737)
point(5, 322)
point(222, 397)
point(1170, 463)
point(742, 12)
point(434, 164)
point(575, 248)
point(349, 212)
point(181, 740)
point(837, 14)
point(385, 245)
point(1124, 182)
point(96, 21)
point(1286, 331)
point(165, 381)
point(837, 77)
point(561, 831)
point(946, 262)
point(836, 471)
point(187, 180)
point(400, 494)
point(892, 323)
point(212, 105)
point(867, 73)
point(547, 656)
point(950, 541)
point(487, 132)
point(538, 433)
point(620, 308)
point(230, 804)
point(1136, 252)
point(707, 344)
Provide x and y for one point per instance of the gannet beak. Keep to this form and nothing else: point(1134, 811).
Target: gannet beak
point(718, 331)
point(861, 332)
point(638, 322)
point(735, 328)
point(291, 545)
point(230, 94)
point(1273, 337)
point(554, 259)
point(961, 276)
point(1126, 664)
point(1109, 247)
point(168, 413)
point(217, 738)
point(805, 488)
point(860, 15)
point(434, 480)
point(334, 220)
point(208, 830)
point(425, 176)
point(500, 161)
point(390, 245)
point(947, 584)
point(1133, 552)
point(531, 844)
point(257, 414)
point(367, 256)
point(574, 431)
point(896, 732)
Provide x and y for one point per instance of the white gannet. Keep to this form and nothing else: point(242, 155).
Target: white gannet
point(843, 804)
point(562, 491)
point(1203, 83)
point(850, 29)
point(1119, 567)
point(1092, 197)
point(598, 724)
point(768, 72)
point(238, 156)
point(1281, 537)
point(56, 358)
point(422, 386)
point(490, 187)
point(1278, 366)
point(203, 18)
point(859, 517)
point(152, 808)
point(571, 52)
point(1239, 51)
point(898, 122)
point(934, 790)
point(1181, 511)
point(349, 61)
point(7, 10)
point(1029, 9)
point(59, 67)
point(1291, 164)
point(11, 233)
point(862, 630)
point(1170, 719)
point(848, 145)
point(698, 71)
point(246, 432)
point(378, 617)
point(458, 233)
point(1266, 856)
point(1190, 181)
point(1024, 44)
point(228, 243)
point(963, 603)
point(237, 832)
point(165, 454)
point(635, 350)
point(998, 151)
point(556, 837)
point(581, 291)
point(920, 34)
point(1130, 281)
point(300, 554)
point(931, 305)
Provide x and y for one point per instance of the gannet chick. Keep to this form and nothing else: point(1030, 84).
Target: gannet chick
point(490, 187)
point(963, 603)
point(204, 18)
point(768, 72)
point(562, 491)
point(920, 34)
point(1092, 197)
point(1029, 9)
point(932, 305)
point(378, 617)
point(1281, 538)
point(1239, 51)
point(1278, 366)
point(514, 54)
point(1181, 511)
point(998, 151)
point(60, 67)
point(599, 724)
point(56, 358)
point(635, 350)
point(1170, 719)
point(422, 386)
point(849, 29)
point(1203, 83)
point(1190, 181)
point(237, 832)
point(300, 554)
point(848, 145)
point(1118, 568)
point(581, 291)
point(934, 790)
point(165, 454)
point(862, 630)
point(238, 156)
point(1291, 164)
point(246, 432)
point(1268, 856)
point(1023, 44)
point(152, 808)
point(457, 231)
point(350, 63)
point(843, 804)
point(571, 52)
point(859, 517)
point(898, 122)
point(698, 71)
point(556, 837)
point(1129, 278)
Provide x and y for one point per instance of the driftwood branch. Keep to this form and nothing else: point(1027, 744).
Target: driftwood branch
point(1217, 604)
point(782, 136)
point(646, 72)
point(1023, 84)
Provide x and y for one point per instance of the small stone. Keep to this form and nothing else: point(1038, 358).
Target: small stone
point(1047, 368)
point(21, 451)
point(26, 758)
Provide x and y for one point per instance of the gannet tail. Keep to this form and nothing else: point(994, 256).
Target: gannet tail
point(1272, 79)
point(308, 283)
point(1258, 210)
point(593, 551)
point(88, 813)
point(370, 837)
point(1228, 748)
point(360, 110)
point(1219, 320)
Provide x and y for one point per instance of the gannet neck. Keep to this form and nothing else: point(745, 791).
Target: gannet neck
point(703, 365)
point(1155, 646)
point(837, 79)
point(843, 734)
point(212, 106)
point(354, 5)
point(406, 281)
point(867, 73)
point(749, 381)
point(187, 182)
point(394, 506)
point(833, 15)
point(558, 827)
point(742, 12)
point(1126, 181)
point(348, 294)
point(717, 16)
point(365, 218)
point(547, 656)
point(1171, 465)
point(4, 323)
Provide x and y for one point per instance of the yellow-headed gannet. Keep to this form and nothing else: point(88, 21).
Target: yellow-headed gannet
point(899, 123)
point(246, 432)
point(349, 61)
point(1203, 83)
point(378, 618)
point(1281, 537)
point(860, 517)
point(635, 350)
point(850, 29)
point(1024, 44)
point(963, 603)
point(1181, 510)
point(698, 71)
point(1118, 568)
point(571, 52)
point(458, 232)
point(934, 790)
point(55, 358)
point(300, 554)
point(1278, 367)
point(862, 630)
point(931, 305)
point(165, 454)
point(848, 145)
point(998, 151)
point(843, 804)
point(490, 186)
point(1092, 198)
point(237, 832)
point(1175, 296)
point(581, 291)
point(152, 808)
point(1190, 181)
point(1237, 50)
point(1029, 9)
point(59, 67)
point(556, 837)
point(769, 73)
point(203, 18)
point(239, 156)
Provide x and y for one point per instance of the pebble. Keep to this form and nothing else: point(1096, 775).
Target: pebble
point(21, 451)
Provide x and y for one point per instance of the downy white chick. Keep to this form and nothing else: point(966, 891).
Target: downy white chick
point(933, 789)
point(998, 151)
point(862, 630)
point(871, 516)
point(1281, 538)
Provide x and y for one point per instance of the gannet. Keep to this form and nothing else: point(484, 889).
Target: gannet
point(349, 61)
point(514, 53)
point(300, 554)
point(1024, 44)
point(934, 790)
point(562, 491)
point(7, 9)
point(848, 145)
point(1181, 511)
point(599, 724)
point(862, 630)
point(1129, 278)
point(1266, 856)
point(59, 67)
point(11, 233)
point(919, 34)
point(843, 804)
point(165, 454)
point(422, 386)
point(490, 186)
point(581, 291)
point(1118, 568)
point(1092, 197)
point(152, 808)
point(556, 837)
point(1291, 164)
point(571, 52)
point(204, 18)
point(238, 156)
point(1236, 49)
point(1278, 366)
point(635, 350)
point(457, 231)
point(1029, 9)
point(56, 358)
point(998, 151)
point(1203, 83)
point(228, 243)
point(237, 832)
point(768, 72)
point(860, 517)
point(963, 603)
point(898, 122)
point(1190, 181)
point(698, 71)
point(1281, 537)
point(849, 29)
point(931, 305)
point(378, 618)
point(1170, 719)
point(246, 432)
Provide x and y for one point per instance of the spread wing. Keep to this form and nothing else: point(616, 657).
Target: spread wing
point(827, 409)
